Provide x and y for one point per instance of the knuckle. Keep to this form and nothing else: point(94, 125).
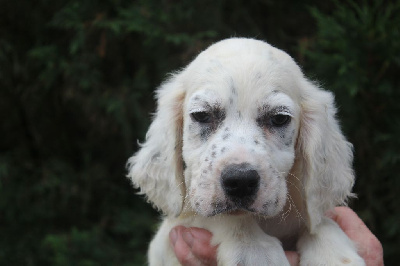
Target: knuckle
point(188, 260)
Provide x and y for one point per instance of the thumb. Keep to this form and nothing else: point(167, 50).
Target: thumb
point(293, 258)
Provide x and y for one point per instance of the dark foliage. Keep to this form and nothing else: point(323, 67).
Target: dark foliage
point(356, 54)
point(76, 88)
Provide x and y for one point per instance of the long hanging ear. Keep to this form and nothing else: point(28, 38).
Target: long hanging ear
point(327, 157)
point(157, 168)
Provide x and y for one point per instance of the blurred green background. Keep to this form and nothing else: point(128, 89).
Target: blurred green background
point(76, 89)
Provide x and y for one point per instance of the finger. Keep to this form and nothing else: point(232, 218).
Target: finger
point(293, 258)
point(198, 240)
point(351, 224)
point(181, 248)
point(348, 220)
point(201, 234)
point(369, 247)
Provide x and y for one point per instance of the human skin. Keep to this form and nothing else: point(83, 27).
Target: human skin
point(192, 245)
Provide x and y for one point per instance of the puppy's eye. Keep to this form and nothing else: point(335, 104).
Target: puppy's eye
point(280, 120)
point(201, 117)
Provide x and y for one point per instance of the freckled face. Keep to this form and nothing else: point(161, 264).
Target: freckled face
point(233, 131)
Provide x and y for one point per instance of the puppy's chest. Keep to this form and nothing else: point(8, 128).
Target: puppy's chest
point(287, 231)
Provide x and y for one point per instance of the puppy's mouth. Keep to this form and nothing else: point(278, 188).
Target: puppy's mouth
point(230, 208)
point(238, 212)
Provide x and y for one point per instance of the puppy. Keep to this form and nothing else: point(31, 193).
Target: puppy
point(243, 145)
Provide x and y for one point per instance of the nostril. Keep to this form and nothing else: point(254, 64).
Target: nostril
point(253, 182)
point(231, 183)
point(240, 181)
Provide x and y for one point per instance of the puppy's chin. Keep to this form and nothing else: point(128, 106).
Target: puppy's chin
point(228, 207)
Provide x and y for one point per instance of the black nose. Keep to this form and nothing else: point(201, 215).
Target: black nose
point(240, 182)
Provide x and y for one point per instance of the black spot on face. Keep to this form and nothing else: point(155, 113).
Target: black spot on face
point(290, 138)
point(226, 136)
point(289, 141)
point(233, 88)
point(205, 132)
point(266, 205)
point(285, 137)
point(276, 202)
point(273, 170)
point(263, 109)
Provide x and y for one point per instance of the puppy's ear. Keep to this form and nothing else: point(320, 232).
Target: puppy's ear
point(327, 157)
point(157, 168)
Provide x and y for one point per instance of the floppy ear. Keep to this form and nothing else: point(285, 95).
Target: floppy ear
point(327, 157)
point(157, 168)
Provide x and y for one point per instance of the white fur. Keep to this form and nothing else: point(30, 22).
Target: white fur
point(304, 167)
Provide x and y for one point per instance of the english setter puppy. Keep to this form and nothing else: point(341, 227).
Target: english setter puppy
point(243, 145)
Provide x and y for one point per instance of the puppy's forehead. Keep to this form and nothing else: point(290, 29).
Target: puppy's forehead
point(234, 46)
point(248, 51)
point(204, 99)
point(244, 68)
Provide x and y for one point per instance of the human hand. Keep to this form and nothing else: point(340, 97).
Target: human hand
point(369, 247)
point(192, 245)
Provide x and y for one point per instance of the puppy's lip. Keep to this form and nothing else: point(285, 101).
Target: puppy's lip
point(234, 212)
point(233, 209)
point(237, 212)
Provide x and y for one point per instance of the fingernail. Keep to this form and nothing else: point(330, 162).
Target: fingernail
point(188, 237)
point(173, 236)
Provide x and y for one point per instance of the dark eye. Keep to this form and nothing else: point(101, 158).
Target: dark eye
point(201, 117)
point(280, 120)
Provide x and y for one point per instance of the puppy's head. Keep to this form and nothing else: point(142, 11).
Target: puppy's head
point(233, 127)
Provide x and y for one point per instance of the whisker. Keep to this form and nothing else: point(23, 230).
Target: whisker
point(292, 184)
point(180, 184)
point(286, 213)
point(298, 179)
point(298, 214)
point(288, 173)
